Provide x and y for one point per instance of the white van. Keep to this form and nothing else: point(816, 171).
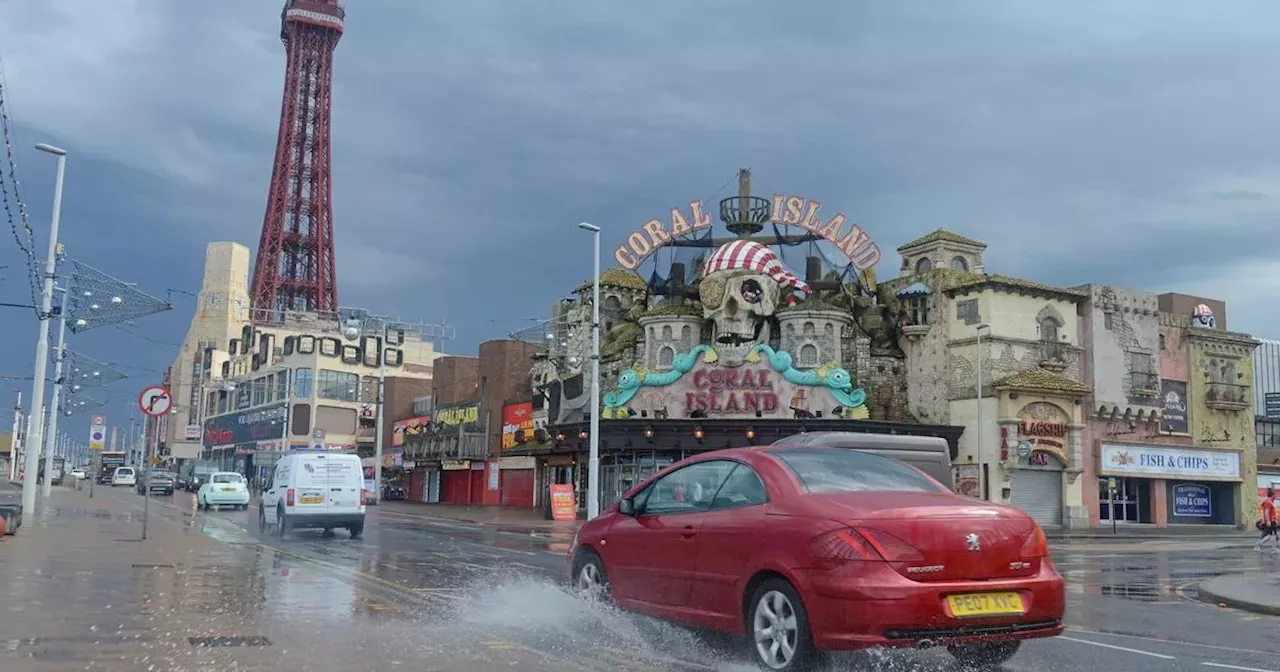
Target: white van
point(316, 490)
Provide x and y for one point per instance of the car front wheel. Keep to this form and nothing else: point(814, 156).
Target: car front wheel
point(779, 628)
point(986, 655)
point(589, 577)
point(262, 519)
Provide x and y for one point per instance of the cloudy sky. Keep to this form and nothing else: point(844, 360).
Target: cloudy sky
point(1130, 143)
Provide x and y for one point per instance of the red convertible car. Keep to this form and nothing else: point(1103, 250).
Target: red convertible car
point(806, 549)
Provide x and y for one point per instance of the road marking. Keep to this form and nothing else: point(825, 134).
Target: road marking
point(1159, 640)
point(1117, 648)
point(1235, 667)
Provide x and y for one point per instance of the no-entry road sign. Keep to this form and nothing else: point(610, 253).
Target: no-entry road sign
point(155, 401)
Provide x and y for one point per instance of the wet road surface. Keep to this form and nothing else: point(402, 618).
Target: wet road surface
point(422, 593)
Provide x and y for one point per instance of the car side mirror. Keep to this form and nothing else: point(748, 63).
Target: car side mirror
point(627, 507)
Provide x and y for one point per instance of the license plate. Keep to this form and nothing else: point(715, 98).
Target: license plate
point(312, 499)
point(986, 604)
point(228, 489)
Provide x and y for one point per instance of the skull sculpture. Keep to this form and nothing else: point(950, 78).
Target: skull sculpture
point(739, 301)
point(741, 290)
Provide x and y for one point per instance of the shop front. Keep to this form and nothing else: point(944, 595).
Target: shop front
point(462, 482)
point(1164, 485)
point(1040, 455)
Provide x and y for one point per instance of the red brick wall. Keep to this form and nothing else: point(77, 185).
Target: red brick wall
point(504, 366)
point(455, 380)
point(398, 403)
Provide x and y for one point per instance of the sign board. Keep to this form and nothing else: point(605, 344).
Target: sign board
point(318, 439)
point(409, 430)
point(192, 433)
point(516, 418)
point(1192, 500)
point(259, 424)
point(1173, 395)
point(1111, 484)
point(562, 505)
point(98, 433)
point(787, 210)
point(155, 401)
point(455, 465)
point(1271, 405)
point(1171, 463)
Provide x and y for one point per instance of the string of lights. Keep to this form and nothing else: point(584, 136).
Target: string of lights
point(18, 221)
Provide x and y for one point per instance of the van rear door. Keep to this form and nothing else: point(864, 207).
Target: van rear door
point(309, 484)
point(345, 484)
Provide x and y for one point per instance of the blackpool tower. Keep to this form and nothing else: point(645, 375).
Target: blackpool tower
point(294, 270)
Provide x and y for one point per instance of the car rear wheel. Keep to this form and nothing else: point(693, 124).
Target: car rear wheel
point(987, 655)
point(779, 628)
point(356, 529)
point(282, 523)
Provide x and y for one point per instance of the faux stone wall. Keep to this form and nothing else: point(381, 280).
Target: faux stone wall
point(925, 374)
point(1002, 357)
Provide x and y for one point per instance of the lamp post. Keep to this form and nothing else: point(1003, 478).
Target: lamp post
point(593, 462)
point(377, 420)
point(55, 403)
point(981, 327)
point(35, 425)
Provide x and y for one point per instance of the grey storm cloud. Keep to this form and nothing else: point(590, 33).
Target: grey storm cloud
point(1129, 143)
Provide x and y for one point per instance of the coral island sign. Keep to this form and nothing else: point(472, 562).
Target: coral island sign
point(766, 385)
point(788, 210)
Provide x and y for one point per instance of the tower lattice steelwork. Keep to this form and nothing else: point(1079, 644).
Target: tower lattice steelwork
point(295, 264)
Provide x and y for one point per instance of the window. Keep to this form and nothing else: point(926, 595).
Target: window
point(270, 385)
point(808, 355)
point(337, 385)
point(1162, 341)
point(968, 311)
point(227, 478)
point(282, 385)
point(959, 264)
point(1049, 330)
point(825, 470)
point(687, 490)
point(1141, 362)
point(302, 383)
point(666, 332)
point(918, 309)
point(1106, 321)
point(924, 266)
point(742, 488)
point(666, 356)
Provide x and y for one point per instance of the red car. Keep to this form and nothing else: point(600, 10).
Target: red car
point(806, 549)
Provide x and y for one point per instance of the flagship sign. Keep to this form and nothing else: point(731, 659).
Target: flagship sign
point(719, 391)
point(788, 210)
point(748, 391)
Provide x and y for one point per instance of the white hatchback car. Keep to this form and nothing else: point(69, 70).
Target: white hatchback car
point(224, 488)
point(124, 476)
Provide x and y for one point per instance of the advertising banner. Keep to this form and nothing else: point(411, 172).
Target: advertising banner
point(459, 414)
point(405, 431)
point(1192, 500)
point(259, 424)
point(1174, 394)
point(1271, 405)
point(98, 433)
point(515, 418)
point(1172, 463)
point(562, 505)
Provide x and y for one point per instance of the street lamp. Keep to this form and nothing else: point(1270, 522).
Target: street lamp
point(35, 427)
point(59, 356)
point(981, 327)
point(593, 462)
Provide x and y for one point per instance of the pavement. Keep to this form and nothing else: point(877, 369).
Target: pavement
point(429, 590)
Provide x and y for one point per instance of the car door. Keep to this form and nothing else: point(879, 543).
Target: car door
point(650, 556)
point(732, 528)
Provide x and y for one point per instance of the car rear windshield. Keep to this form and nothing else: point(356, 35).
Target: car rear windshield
point(228, 478)
point(828, 470)
point(124, 471)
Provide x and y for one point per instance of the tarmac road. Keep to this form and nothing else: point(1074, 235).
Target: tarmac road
point(465, 593)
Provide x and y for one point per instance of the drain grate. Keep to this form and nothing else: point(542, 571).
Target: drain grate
point(209, 642)
point(150, 566)
point(134, 540)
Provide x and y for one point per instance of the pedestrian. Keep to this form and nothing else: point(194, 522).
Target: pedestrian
point(1267, 524)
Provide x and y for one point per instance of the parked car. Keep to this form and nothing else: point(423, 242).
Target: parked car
point(158, 481)
point(11, 506)
point(195, 473)
point(804, 549)
point(224, 488)
point(313, 489)
point(79, 473)
point(124, 476)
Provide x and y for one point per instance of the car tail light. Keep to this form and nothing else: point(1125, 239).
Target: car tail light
point(1036, 545)
point(863, 544)
point(288, 497)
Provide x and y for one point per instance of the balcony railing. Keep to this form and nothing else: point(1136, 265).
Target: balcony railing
point(1144, 383)
point(1227, 396)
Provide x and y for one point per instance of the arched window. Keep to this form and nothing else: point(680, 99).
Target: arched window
point(810, 330)
point(808, 355)
point(666, 332)
point(665, 356)
point(924, 266)
point(959, 263)
point(1049, 330)
point(829, 330)
point(612, 305)
point(685, 333)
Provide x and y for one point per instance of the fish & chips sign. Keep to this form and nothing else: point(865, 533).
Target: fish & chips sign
point(788, 210)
